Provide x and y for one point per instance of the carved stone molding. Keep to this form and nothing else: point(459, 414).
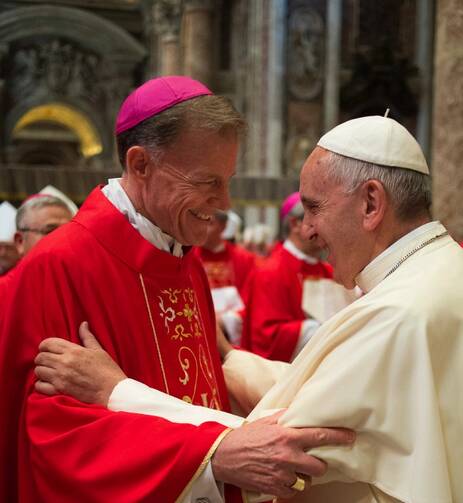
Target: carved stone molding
point(70, 56)
point(305, 53)
point(54, 67)
point(167, 16)
point(90, 31)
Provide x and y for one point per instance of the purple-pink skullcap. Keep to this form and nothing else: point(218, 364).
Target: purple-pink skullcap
point(289, 203)
point(154, 97)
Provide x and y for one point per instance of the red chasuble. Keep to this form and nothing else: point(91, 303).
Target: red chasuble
point(153, 313)
point(230, 267)
point(274, 314)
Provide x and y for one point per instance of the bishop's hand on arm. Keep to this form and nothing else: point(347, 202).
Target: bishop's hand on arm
point(85, 372)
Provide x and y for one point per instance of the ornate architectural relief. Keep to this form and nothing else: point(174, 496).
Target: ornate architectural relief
point(167, 16)
point(305, 53)
point(55, 67)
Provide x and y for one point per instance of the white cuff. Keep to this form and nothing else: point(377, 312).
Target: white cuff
point(205, 488)
point(133, 396)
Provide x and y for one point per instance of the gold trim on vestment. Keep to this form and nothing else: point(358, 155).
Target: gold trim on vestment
point(154, 333)
point(204, 462)
point(219, 399)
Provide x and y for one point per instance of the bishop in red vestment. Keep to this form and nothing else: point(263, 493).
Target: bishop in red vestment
point(275, 325)
point(150, 305)
point(229, 265)
point(154, 315)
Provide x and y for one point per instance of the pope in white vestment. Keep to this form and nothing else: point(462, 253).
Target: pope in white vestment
point(389, 366)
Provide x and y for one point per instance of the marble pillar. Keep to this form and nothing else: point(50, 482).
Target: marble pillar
point(197, 40)
point(447, 144)
point(167, 19)
point(424, 62)
point(332, 65)
point(265, 70)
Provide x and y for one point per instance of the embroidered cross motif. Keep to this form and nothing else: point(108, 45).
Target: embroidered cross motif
point(187, 312)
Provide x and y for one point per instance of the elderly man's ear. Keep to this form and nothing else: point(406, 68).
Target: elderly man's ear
point(137, 161)
point(374, 204)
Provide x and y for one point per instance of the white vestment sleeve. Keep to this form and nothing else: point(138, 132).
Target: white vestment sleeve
point(133, 396)
point(248, 377)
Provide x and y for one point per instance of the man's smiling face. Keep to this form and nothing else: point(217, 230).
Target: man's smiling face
point(332, 218)
point(189, 183)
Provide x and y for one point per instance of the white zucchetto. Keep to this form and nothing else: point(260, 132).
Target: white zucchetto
point(376, 139)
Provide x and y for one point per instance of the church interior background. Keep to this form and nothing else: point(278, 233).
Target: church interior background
point(295, 68)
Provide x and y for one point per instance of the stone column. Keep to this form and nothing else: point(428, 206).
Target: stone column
point(333, 64)
point(151, 38)
point(265, 70)
point(424, 62)
point(197, 39)
point(447, 145)
point(167, 17)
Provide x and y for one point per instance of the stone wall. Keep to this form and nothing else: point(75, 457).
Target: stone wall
point(447, 154)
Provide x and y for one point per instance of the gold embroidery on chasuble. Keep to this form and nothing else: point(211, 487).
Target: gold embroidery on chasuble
point(181, 344)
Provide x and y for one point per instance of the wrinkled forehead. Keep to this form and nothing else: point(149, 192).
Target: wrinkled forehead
point(313, 176)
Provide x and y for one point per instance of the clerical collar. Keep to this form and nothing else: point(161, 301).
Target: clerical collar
point(290, 247)
point(385, 262)
point(152, 233)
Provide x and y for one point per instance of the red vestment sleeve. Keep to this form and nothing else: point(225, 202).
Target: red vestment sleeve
point(55, 449)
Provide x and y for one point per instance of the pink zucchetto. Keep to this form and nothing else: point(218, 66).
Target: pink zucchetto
point(289, 203)
point(154, 97)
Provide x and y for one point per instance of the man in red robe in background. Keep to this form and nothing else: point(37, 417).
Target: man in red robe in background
point(123, 264)
point(228, 267)
point(275, 324)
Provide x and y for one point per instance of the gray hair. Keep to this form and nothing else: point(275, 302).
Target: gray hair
point(409, 191)
point(212, 113)
point(36, 202)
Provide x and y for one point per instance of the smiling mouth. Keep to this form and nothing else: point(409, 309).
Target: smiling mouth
point(201, 216)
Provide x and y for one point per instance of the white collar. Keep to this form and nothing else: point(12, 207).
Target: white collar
point(153, 234)
point(381, 265)
point(290, 247)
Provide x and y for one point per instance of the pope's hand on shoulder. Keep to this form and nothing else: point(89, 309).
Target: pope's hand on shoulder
point(266, 457)
point(85, 372)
